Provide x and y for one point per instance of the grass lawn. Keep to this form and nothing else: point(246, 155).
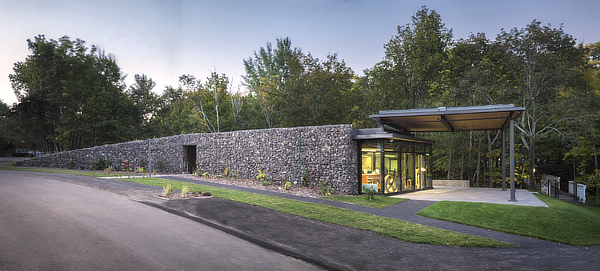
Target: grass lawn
point(402, 230)
point(377, 202)
point(561, 222)
point(63, 171)
point(405, 231)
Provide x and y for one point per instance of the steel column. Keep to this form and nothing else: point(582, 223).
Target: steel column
point(512, 158)
point(503, 159)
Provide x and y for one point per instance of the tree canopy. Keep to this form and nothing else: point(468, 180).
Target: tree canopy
point(71, 96)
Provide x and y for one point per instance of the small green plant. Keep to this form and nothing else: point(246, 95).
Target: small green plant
point(369, 192)
point(167, 189)
point(141, 171)
point(109, 170)
point(305, 178)
point(100, 163)
point(184, 191)
point(161, 165)
point(227, 171)
point(208, 175)
point(325, 189)
point(263, 178)
point(71, 164)
point(126, 166)
point(287, 186)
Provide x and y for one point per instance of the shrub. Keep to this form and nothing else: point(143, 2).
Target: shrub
point(100, 163)
point(184, 191)
point(167, 190)
point(369, 193)
point(305, 178)
point(161, 165)
point(288, 185)
point(325, 189)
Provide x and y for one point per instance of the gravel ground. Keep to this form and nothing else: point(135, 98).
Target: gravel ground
point(313, 192)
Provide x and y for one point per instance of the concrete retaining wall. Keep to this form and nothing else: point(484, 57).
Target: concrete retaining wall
point(451, 183)
point(328, 153)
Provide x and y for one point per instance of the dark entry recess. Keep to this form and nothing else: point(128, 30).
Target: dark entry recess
point(189, 158)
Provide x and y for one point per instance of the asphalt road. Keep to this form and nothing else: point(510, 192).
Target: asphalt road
point(51, 221)
point(48, 224)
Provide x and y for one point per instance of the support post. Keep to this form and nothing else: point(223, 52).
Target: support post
point(512, 159)
point(382, 166)
point(503, 159)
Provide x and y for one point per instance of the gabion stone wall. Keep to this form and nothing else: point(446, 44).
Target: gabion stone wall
point(328, 153)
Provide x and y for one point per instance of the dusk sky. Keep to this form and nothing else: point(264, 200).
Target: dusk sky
point(165, 39)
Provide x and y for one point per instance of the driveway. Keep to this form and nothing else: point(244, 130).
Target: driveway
point(49, 224)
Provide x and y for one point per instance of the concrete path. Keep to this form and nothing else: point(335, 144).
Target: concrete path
point(488, 195)
point(403, 211)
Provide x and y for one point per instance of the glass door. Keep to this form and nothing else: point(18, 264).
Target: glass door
point(391, 180)
point(371, 166)
point(408, 172)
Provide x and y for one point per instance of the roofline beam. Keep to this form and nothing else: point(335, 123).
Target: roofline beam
point(446, 123)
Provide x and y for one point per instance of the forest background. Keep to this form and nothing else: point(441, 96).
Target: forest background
point(71, 96)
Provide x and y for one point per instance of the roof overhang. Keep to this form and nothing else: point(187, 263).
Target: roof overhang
point(449, 119)
point(371, 134)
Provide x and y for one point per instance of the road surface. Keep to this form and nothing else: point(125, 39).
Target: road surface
point(47, 224)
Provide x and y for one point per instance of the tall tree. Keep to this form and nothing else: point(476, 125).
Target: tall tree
point(267, 73)
point(211, 100)
point(540, 60)
point(70, 96)
point(145, 103)
point(318, 90)
point(417, 57)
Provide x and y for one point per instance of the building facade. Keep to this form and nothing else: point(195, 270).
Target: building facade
point(344, 158)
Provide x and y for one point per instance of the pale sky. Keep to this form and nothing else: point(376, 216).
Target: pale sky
point(165, 39)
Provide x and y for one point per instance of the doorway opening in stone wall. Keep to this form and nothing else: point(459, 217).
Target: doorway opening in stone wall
point(189, 158)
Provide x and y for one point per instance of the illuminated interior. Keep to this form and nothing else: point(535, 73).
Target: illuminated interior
point(393, 166)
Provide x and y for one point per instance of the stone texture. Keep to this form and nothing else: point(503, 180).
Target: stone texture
point(328, 153)
point(451, 183)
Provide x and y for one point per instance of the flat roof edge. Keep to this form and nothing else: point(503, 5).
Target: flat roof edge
point(449, 110)
point(370, 134)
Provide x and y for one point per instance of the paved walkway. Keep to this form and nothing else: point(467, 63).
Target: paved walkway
point(489, 195)
point(403, 211)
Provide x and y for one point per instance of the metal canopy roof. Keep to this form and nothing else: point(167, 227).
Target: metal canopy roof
point(486, 117)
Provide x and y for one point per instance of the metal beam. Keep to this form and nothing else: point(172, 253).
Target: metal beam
point(446, 123)
point(512, 158)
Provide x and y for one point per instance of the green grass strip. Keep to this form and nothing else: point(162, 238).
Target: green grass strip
point(399, 229)
point(378, 202)
point(561, 222)
point(402, 230)
point(64, 171)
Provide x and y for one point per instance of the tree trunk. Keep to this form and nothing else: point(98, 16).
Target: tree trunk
point(532, 184)
point(478, 170)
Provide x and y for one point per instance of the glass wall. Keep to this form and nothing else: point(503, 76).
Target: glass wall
point(404, 166)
